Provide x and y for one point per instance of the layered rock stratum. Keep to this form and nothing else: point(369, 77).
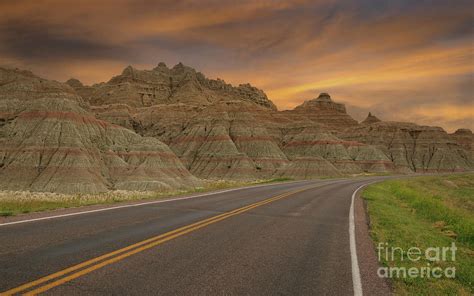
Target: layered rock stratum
point(50, 142)
point(170, 127)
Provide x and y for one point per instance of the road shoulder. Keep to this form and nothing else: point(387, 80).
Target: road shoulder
point(368, 263)
point(62, 212)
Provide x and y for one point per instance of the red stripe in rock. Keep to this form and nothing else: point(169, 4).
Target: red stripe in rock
point(222, 138)
point(95, 169)
point(324, 142)
point(142, 153)
point(201, 139)
point(213, 171)
point(361, 161)
point(79, 151)
point(251, 139)
point(223, 159)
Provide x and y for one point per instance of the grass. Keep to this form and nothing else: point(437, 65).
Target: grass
point(21, 202)
point(426, 212)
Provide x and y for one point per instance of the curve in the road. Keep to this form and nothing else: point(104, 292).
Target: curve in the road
point(131, 229)
point(115, 256)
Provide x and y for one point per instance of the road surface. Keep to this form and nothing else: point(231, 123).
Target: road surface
point(285, 239)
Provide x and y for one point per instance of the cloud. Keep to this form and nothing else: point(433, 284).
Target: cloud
point(388, 56)
point(40, 41)
point(440, 102)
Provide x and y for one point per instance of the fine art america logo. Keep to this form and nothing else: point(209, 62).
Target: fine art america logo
point(432, 262)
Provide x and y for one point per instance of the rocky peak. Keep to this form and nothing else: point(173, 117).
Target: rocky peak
point(371, 119)
point(128, 71)
point(324, 97)
point(74, 83)
point(322, 102)
point(463, 131)
point(161, 67)
point(179, 68)
point(325, 111)
point(180, 84)
point(24, 85)
point(15, 72)
point(464, 138)
point(255, 95)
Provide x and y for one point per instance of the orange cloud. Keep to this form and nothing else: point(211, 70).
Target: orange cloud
point(368, 54)
point(427, 63)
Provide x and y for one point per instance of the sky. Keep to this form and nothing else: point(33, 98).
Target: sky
point(401, 60)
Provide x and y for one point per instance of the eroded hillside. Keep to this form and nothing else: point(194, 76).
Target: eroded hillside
point(162, 128)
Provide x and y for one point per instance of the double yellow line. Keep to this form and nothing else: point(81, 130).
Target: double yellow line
point(53, 280)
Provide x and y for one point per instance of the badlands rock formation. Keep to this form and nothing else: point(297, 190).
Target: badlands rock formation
point(327, 112)
point(180, 84)
point(370, 119)
point(167, 127)
point(464, 137)
point(414, 148)
point(50, 143)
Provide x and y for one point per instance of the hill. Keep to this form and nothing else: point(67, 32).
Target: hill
point(168, 127)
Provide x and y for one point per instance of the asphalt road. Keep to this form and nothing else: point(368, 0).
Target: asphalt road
point(282, 239)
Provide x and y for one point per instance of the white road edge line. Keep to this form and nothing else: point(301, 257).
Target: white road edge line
point(356, 282)
point(140, 204)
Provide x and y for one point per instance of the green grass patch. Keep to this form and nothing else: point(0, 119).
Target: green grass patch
point(426, 212)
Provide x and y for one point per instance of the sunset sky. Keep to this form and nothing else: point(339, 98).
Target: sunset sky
point(402, 60)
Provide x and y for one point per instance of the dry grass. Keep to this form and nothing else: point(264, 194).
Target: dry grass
point(20, 202)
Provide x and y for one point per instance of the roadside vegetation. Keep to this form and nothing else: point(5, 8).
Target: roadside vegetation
point(21, 202)
point(425, 212)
